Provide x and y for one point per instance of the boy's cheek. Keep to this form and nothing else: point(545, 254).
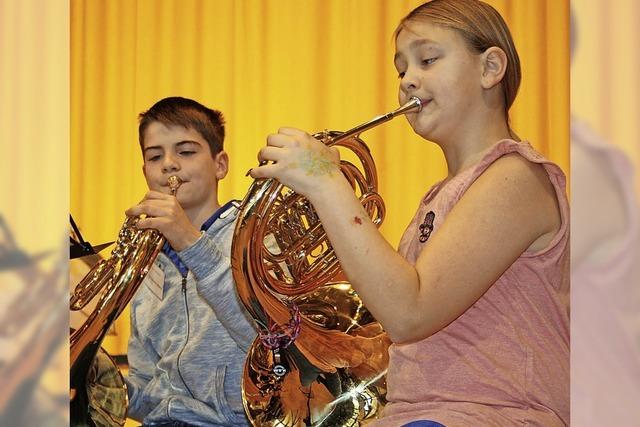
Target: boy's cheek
point(148, 178)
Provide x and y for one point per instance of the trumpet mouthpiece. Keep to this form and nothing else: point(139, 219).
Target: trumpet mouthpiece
point(415, 100)
point(174, 182)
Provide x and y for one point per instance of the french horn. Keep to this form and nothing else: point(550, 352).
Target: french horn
point(320, 358)
point(98, 392)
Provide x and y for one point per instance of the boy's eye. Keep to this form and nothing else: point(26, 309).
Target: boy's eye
point(154, 158)
point(187, 153)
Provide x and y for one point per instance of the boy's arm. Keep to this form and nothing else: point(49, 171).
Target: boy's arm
point(141, 369)
point(212, 270)
point(205, 257)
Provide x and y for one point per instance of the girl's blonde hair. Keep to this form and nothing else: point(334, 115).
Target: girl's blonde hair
point(481, 26)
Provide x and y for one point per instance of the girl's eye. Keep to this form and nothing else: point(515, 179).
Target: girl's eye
point(429, 61)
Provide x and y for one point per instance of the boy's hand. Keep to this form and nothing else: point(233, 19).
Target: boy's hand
point(165, 214)
point(300, 161)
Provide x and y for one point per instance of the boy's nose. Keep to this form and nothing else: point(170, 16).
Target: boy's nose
point(170, 164)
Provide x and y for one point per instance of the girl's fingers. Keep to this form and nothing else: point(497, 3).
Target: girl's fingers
point(265, 171)
point(292, 132)
point(269, 154)
point(279, 140)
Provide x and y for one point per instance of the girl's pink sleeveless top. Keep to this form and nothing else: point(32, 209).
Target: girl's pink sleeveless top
point(505, 361)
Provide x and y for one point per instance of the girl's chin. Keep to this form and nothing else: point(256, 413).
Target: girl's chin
point(424, 132)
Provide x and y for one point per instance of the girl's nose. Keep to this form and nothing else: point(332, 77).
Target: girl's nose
point(409, 82)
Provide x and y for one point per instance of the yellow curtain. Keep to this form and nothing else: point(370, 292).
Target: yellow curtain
point(313, 64)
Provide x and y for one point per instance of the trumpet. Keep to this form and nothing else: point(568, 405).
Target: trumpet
point(117, 279)
point(321, 357)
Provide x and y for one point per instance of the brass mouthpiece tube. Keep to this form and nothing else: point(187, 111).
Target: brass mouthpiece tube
point(174, 182)
point(414, 103)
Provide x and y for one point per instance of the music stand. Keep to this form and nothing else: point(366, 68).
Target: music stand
point(80, 247)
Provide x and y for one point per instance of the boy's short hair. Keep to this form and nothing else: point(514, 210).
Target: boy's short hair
point(178, 111)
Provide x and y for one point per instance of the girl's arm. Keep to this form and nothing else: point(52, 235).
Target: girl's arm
point(511, 207)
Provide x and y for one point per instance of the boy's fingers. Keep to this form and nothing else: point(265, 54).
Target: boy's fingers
point(149, 222)
point(149, 209)
point(155, 195)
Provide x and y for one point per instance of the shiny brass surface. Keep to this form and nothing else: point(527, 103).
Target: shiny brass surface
point(281, 260)
point(98, 392)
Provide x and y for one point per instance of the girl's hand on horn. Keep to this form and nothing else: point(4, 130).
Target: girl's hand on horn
point(299, 161)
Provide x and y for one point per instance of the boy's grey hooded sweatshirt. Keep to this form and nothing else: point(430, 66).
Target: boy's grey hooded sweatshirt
point(189, 339)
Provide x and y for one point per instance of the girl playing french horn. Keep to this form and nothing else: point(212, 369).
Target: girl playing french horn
point(476, 298)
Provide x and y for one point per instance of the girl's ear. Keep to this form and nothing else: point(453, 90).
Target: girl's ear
point(494, 65)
